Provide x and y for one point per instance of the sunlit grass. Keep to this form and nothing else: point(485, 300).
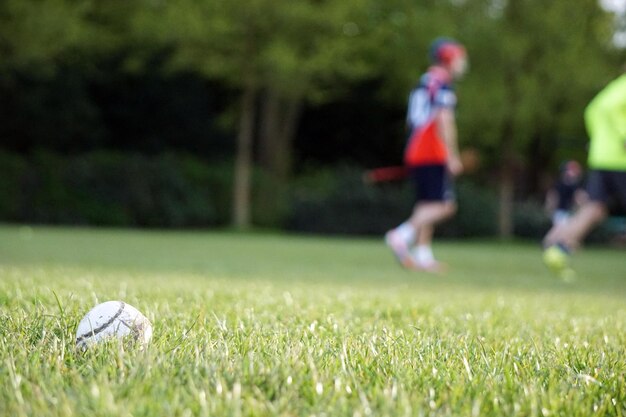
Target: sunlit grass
point(284, 325)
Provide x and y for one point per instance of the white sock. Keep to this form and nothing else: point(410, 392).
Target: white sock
point(406, 232)
point(424, 254)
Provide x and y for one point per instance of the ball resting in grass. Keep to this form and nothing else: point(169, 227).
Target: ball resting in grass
point(113, 319)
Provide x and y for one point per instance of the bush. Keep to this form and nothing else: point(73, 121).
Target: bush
point(339, 202)
point(530, 220)
point(476, 215)
point(13, 170)
point(105, 188)
point(174, 190)
point(122, 189)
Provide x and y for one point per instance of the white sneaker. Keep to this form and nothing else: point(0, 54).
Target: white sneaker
point(400, 249)
point(433, 266)
point(425, 261)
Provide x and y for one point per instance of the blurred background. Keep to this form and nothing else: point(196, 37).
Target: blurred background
point(267, 113)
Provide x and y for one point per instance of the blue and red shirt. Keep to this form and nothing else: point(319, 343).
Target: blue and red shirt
point(433, 93)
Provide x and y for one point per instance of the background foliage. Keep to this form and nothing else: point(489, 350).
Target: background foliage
point(180, 190)
point(283, 89)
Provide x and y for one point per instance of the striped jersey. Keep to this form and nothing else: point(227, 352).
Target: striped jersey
point(434, 92)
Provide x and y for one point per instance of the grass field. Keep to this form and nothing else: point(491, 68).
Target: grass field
point(264, 324)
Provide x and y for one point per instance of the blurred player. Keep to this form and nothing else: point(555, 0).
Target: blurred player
point(605, 118)
point(432, 156)
point(566, 194)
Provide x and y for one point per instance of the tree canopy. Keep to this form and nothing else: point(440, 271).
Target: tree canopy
point(534, 66)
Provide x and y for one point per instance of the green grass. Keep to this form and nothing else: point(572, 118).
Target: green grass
point(262, 324)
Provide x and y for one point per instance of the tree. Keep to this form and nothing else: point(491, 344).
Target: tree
point(535, 65)
point(280, 52)
point(27, 28)
point(45, 49)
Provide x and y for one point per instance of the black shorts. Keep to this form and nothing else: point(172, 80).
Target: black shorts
point(432, 183)
point(608, 187)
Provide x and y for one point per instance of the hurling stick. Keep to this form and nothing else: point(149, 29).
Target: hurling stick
point(385, 174)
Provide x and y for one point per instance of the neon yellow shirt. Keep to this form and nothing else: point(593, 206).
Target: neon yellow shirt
point(605, 118)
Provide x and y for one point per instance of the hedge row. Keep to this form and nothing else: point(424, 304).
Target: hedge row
point(112, 189)
point(346, 205)
point(174, 190)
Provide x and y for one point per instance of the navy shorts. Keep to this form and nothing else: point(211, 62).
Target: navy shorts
point(432, 183)
point(608, 187)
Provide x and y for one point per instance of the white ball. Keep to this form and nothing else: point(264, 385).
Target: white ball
point(113, 319)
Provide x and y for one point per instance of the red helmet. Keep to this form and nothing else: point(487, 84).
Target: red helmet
point(445, 50)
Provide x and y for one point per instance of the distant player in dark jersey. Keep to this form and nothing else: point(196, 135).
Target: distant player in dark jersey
point(566, 194)
point(432, 156)
point(605, 118)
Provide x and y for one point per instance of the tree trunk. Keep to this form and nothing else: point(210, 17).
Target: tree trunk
point(506, 183)
point(278, 125)
point(279, 121)
point(538, 170)
point(506, 192)
point(243, 161)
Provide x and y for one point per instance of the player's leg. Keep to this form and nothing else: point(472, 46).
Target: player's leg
point(438, 204)
point(419, 229)
point(435, 203)
point(607, 188)
point(430, 214)
point(566, 237)
point(561, 240)
point(424, 219)
point(401, 238)
point(601, 186)
point(571, 233)
point(423, 252)
point(560, 216)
